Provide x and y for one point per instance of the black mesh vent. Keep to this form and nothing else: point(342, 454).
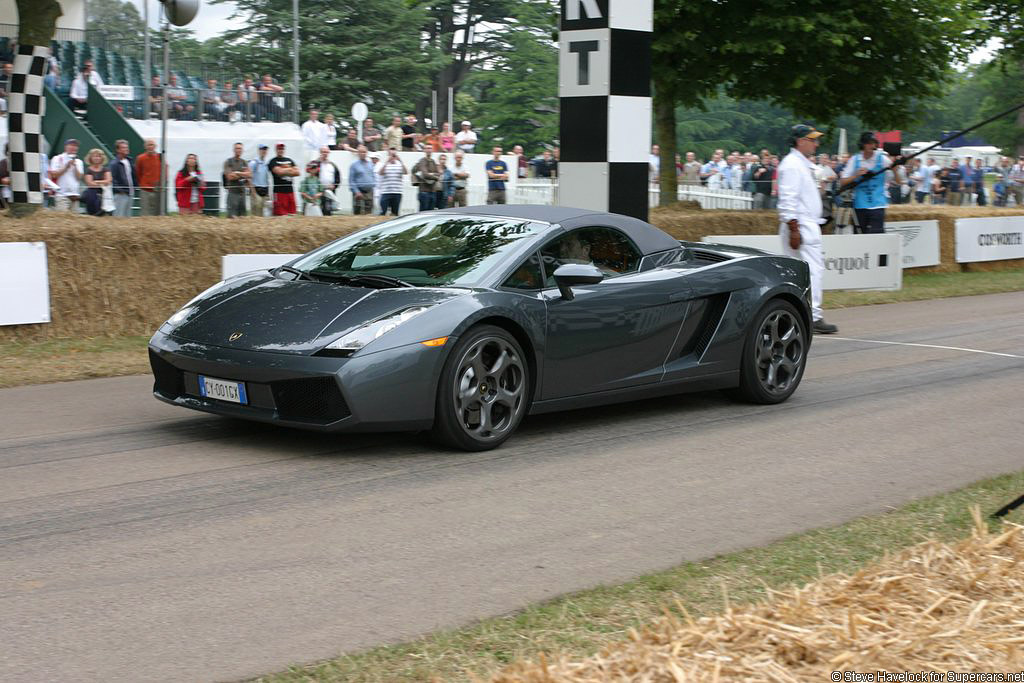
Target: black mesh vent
point(709, 256)
point(712, 318)
point(318, 399)
point(168, 379)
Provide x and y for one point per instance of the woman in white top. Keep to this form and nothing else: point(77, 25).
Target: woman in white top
point(391, 172)
point(332, 131)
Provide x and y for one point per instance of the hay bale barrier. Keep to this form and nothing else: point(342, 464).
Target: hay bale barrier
point(125, 277)
point(111, 277)
point(934, 607)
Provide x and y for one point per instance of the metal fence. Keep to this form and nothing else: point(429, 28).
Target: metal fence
point(194, 104)
point(539, 191)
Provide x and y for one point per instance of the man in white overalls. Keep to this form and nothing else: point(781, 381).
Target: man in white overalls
point(800, 215)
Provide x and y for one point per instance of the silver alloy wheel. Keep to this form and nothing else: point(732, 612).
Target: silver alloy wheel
point(490, 389)
point(780, 351)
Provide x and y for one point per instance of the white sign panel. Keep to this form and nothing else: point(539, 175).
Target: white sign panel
point(24, 283)
point(235, 264)
point(851, 261)
point(117, 92)
point(920, 241)
point(584, 62)
point(989, 239)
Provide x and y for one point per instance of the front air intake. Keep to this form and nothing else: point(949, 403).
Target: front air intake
point(317, 399)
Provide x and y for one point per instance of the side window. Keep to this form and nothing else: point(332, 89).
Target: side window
point(606, 248)
point(527, 275)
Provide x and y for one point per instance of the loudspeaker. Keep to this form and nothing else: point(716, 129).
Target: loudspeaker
point(180, 12)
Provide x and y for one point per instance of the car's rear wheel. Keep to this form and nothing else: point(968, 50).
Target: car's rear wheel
point(483, 392)
point(774, 354)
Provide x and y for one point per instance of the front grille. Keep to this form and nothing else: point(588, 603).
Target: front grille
point(168, 379)
point(316, 399)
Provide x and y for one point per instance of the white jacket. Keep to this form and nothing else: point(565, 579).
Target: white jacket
point(799, 197)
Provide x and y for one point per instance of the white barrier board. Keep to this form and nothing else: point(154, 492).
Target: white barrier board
point(24, 283)
point(989, 239)
point(235, 264)
point(851, 261)
point(920, 241)
point(117, 92)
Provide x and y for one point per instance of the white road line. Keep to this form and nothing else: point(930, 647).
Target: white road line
point(926, 346)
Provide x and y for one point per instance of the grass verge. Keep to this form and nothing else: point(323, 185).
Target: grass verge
point(578, 625)
point(61, 360)
point(932, 286)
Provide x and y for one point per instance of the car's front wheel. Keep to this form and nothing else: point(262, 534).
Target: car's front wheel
point(484, 390)
point(774, 354)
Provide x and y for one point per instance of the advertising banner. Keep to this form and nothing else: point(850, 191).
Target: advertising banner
point(989, 239)
point(24, 283)
point(851, 261)
point(920, 241)
point(117, 92)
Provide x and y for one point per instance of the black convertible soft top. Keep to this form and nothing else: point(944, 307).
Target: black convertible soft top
point(648, 238)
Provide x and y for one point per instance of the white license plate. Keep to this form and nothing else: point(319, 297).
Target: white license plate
point(222, 390)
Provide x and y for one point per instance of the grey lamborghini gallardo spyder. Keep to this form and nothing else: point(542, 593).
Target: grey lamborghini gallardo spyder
point(463, 321)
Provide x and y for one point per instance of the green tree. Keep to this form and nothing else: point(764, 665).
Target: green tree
point(349, 52)
point(469, 34)
point(118, 20)
point(517, 97)
point(817, 58)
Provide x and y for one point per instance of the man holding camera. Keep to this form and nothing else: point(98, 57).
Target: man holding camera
point(800, 215)
point(67, 171)
point(869, 196)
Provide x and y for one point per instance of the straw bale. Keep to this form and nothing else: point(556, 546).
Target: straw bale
point(932, 607)
point(123, 277)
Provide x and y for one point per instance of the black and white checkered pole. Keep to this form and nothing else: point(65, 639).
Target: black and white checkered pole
point(26, 106)
point(604, 86)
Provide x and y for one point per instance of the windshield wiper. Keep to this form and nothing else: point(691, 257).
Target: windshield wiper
point(365, 280)
point(299, 274)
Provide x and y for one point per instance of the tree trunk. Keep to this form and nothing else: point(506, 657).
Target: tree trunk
point(665, 134)
point(37, 20)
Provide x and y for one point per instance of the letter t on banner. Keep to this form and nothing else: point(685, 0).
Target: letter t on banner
point(604, 89)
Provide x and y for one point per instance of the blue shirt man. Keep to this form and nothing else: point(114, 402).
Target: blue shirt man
point(361, 181)
point(497, 174)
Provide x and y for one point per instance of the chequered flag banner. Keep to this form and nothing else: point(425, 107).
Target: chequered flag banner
point(26, 106)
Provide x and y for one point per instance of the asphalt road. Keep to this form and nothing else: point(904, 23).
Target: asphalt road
point(142, 542)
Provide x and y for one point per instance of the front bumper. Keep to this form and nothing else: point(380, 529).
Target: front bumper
point(391, 390)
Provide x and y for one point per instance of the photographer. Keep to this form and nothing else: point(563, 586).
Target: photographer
point(67, 171)
point(869, 196)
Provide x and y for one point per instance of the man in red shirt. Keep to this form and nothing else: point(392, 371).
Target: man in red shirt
point(147, 167)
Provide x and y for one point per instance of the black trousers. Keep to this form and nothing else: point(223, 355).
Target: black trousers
point(870, 221)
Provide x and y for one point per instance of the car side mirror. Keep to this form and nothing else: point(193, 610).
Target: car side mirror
point(569, 274)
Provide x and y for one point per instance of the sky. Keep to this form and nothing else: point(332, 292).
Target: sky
point(211, 21)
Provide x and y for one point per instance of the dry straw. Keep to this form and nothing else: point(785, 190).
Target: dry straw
point(112, 277)
point(934, 607)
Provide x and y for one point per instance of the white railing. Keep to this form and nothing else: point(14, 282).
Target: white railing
point(536, 191)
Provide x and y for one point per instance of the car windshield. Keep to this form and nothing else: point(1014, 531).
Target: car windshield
point(425, 250)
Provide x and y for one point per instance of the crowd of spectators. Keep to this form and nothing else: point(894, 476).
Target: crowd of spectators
point(956, 181)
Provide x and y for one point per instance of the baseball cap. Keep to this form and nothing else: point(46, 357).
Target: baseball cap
point(71, 141)
point(802, 130)
point(280, 144)
point(263, 147)
point(466, 123)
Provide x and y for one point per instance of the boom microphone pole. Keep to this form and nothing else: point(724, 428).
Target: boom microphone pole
point(902, 160)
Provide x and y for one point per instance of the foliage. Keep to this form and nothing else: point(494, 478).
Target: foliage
point(472, 35)
point(118, 20)
point(348, 52)
point(818, 58)
point(518, 94)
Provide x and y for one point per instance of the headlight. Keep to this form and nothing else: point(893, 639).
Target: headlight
point(357, 339)
point(180, 316)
